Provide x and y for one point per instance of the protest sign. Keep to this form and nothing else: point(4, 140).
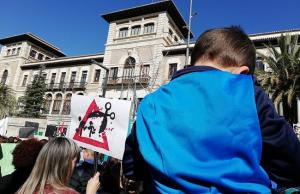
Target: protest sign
point(99, 124)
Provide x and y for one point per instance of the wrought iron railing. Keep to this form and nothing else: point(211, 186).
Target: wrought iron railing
point(67, 86)
point(145, 79)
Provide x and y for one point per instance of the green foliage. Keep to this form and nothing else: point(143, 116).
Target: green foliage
point(283, 79)
point(34, 97)
point(7, 102)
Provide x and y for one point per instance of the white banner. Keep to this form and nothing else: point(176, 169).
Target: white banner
point(3, 126)
point(99, 124)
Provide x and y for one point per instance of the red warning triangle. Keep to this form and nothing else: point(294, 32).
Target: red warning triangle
point(104, 144)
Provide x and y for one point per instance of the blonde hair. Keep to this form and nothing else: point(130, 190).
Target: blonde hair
point(53, 167)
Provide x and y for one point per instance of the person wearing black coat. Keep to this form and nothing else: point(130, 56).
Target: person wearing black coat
point(109, 174)
point(24, 157)
point(81, 176)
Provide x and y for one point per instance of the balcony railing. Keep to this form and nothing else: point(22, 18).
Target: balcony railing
point(145, 79)
point(67, 86)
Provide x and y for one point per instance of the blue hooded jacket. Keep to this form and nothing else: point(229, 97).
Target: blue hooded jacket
point(200, 134)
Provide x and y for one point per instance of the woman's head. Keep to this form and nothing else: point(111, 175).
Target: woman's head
point(53, 166)
point(26, 152)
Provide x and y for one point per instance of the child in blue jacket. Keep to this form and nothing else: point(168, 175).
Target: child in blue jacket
point(212, 129)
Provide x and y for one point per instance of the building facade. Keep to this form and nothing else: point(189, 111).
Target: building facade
point(145, 46)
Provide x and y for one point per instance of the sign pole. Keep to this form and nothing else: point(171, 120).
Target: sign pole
point(104, 86)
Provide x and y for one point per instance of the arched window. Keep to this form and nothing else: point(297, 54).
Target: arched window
point(135, 30)
point(4, 77)
point(67, 104)
point(47, 103)
point(57, 104)
point(149, 28)
point(128, 69)
point(130, 61)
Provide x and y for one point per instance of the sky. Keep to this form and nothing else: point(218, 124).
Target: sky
point(76, 26)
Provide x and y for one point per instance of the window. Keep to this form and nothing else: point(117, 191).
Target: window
point(47, 58)
point(8, 52)
point(135, 30)
point(145, 71)
point(44, 76)
point(4, 77)
point(24, 80)
point(113, 73)
point(47, 103)
point(172, 69)
point(83, 78)
point(144, 74)
point(67, 105)
point(97, 75)
point(32, 53)
point(128, 68)
point(13, 51)
point(170, 32)
point(123, 32)
point(53, 77)
point(18, 50)
point(72, 80)
point(62, 80)
point(175, 39)
point(40, 56)
point(56, 104)
point(149, 28)
point(52, 81)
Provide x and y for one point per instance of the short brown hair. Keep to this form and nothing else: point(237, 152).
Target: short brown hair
point(26, 152)
point(226, 46)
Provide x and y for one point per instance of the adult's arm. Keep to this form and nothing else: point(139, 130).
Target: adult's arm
point(133, 164)
point(281, 147)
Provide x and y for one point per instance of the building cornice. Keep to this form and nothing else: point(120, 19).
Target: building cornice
point(65, 61)
point(33, 39)
point(162, 6)
point(259, 39)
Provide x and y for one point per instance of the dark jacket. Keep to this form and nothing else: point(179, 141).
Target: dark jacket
point(281, 148)
point(81, 176)
point(15, 180)
point(109, 177)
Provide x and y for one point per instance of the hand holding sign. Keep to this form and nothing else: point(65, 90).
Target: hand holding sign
point(100, 124)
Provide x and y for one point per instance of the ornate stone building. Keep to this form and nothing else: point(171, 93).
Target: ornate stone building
point(145, 46)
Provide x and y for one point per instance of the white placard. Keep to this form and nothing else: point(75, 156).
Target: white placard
point(99, 124)
point(3, 126)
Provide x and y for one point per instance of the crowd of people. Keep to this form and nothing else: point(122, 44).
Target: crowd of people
point(212, 129)
point(11, 139)
point(55, 166)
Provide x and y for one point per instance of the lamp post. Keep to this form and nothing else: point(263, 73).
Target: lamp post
point(189, 34)
point(104, 85)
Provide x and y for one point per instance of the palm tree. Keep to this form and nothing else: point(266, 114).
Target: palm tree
point(282, 79)
point(7, 102)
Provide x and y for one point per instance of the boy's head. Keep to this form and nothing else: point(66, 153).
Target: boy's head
point(87, 154)
point(226, 48)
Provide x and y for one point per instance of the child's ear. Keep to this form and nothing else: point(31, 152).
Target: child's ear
point(241, 70)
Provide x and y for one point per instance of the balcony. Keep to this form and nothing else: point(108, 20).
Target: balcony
point(145, 79)
point(66, 86)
